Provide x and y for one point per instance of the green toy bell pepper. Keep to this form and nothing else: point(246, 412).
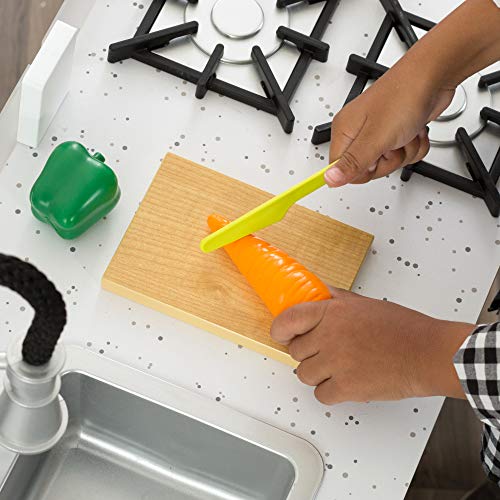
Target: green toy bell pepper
point(74, 190)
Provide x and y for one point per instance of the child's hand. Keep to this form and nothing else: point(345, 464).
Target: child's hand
point(384, 128)
point(354, 348)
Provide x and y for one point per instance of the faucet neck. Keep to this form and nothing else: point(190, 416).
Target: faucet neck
point(50, 310)
point(33, 416)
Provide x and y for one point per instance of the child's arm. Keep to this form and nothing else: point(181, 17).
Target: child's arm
point(384, 128)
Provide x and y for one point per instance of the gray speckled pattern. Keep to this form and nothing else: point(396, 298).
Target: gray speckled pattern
point(435, 249)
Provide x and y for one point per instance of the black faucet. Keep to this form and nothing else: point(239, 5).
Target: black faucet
point(50, 310)
point(33, 415)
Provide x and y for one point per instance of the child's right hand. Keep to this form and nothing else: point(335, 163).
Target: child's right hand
point(384, 128)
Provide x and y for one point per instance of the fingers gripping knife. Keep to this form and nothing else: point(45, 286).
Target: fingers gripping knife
point(33, 416)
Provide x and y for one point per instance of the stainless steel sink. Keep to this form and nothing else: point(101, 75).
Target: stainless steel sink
point(133, 436)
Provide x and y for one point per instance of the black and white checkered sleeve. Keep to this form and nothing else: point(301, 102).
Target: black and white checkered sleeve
point(477, 364)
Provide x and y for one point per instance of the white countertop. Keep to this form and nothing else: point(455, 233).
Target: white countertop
point(447, 242)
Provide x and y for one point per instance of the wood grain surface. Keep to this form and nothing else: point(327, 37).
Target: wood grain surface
point(159, 263)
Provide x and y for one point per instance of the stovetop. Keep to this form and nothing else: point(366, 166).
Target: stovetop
point(235, 33)
point(241, 49)
point(465, 118)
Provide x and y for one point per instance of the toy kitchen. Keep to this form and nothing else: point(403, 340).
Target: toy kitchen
point(135, 367)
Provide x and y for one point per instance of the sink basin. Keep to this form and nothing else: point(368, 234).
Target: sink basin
point(134, 436)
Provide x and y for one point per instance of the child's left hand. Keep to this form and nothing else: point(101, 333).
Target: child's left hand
point(354, 348)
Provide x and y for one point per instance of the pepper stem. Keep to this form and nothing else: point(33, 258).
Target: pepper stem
point(100, 157)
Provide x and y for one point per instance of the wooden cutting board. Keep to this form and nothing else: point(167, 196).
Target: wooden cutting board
point(159, 263)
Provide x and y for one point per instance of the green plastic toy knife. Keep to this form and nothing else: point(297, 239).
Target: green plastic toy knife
point(264, 215)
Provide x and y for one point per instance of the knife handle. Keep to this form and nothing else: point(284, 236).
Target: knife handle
point(307, 186)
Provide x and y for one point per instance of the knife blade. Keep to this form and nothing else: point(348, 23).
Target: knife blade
point(264, 215)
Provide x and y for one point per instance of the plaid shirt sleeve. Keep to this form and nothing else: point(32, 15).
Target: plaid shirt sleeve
point(477, 364)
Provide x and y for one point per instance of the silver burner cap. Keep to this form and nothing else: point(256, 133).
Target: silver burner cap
point(238, 25)
point(464, 111)
point(456, 107)
point(237, 18)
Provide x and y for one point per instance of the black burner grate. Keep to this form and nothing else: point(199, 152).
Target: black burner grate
point(276, 101)
point(483, 181)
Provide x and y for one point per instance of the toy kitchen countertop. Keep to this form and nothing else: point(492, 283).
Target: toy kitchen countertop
point(436, 249)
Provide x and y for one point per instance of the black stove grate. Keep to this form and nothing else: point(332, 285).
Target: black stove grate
point(276, 101)
point(482, 183)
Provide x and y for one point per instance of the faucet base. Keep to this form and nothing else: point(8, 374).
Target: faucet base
point(33, 417)
point(34, 444)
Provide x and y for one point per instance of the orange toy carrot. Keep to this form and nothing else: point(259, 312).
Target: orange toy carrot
point(279, 280)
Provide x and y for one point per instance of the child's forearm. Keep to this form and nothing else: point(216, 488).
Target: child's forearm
point(465, 42)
